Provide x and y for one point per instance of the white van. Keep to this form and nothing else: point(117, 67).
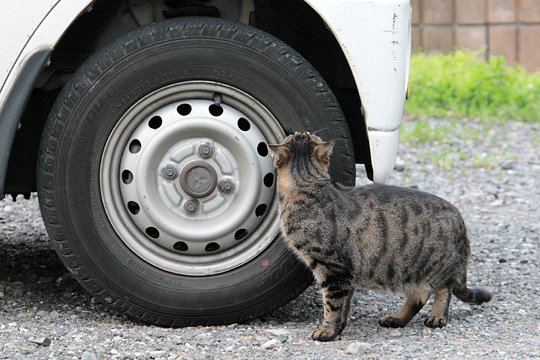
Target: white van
point(143, 126)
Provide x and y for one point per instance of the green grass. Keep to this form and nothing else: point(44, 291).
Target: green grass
point(451, 136)
point(463, 85)
point(421, 132)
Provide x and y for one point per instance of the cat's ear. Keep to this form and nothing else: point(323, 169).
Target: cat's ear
point(279, 153)
point(323, 151)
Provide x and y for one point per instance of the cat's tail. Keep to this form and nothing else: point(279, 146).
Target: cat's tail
point(460, 289)
point(471, 296)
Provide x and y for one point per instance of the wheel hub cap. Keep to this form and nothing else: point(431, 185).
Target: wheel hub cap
point(198, 179)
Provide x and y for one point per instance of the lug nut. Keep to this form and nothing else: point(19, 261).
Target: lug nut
point(226, 186)
point(169, 172)
point(191, 206)
point(206, 150)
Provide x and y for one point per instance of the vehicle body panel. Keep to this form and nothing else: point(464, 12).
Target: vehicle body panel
point(22, 22)
point(375, 38)
point(28, 30)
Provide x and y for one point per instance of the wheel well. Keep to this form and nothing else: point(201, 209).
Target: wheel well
point(292, 21)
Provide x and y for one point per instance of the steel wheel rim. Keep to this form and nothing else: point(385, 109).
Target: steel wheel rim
point(186, 179)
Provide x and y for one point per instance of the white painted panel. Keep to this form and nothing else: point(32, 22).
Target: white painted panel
point(383, 146)
point(375, 38)
point(44, 34)
point(18, 21)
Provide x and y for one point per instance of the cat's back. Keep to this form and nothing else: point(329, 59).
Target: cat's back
point(392, 198)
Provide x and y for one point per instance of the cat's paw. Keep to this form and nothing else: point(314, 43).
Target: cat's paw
point(324, 333)
point(435, 321)
point(391, 322)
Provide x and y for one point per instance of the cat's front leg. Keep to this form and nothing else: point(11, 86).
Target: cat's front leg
point(345, 311)
point(336, 302)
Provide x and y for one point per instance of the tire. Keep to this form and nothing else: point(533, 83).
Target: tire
point(131, 138)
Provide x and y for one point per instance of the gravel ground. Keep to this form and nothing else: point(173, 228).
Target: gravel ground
point(45, 314)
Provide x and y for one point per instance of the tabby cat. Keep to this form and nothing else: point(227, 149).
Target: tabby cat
point(376, 236)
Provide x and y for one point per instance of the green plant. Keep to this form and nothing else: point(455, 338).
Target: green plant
point(463, 85)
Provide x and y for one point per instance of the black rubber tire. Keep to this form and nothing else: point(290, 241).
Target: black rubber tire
point(88, 108)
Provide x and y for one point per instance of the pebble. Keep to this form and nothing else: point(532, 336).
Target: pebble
point(279, 334)
point(271, 344)
point(41, 341)
point(357, 348)
point(54, 315)
point(88, 356)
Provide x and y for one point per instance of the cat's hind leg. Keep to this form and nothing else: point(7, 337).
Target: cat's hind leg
point(439, 312)
point(414, 302)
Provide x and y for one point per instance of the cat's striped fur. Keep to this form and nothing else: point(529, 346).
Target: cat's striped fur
point(376, 236)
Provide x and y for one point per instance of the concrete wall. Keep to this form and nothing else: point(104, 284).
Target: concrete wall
point(502, 27)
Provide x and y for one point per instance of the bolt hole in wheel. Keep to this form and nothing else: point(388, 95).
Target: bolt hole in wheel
point(268, 180)
point(184, 109)
point(262, 149)
point(133, 207)
point(215, 110)
point(152, 232)
point(127, 177)
point(155, 122)
point(243, 124)
point(212, 247)
point(261, 210)
point(180, 246)
point(134, 146)
point(240, 234)
point(201, 188)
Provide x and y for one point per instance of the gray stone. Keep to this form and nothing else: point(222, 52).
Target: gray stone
point(357, 348)
point(41, 341)
point(88, 356)
point(271, 344)
point(280, 334)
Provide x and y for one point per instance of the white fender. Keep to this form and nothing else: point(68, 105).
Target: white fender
point(375, 37)
point(33, 25)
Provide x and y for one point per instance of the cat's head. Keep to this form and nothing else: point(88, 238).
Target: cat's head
point(302, 144)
